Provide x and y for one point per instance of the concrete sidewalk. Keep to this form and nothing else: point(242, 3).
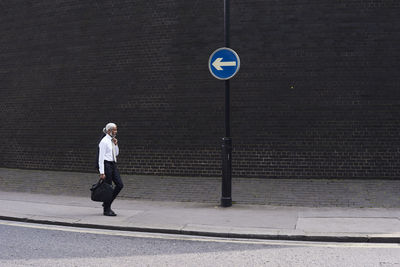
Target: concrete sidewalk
point(345, 193)
point(205, 219)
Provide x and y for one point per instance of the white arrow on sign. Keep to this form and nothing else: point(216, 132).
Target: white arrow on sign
point(218, 63)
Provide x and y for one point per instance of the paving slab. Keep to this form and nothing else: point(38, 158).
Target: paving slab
point(350, 225)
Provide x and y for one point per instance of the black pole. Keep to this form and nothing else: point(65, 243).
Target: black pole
point(226, 199)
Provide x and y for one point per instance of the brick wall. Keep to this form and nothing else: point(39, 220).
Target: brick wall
point(317, 95)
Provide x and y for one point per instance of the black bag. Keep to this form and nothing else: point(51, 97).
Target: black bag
point(102, 191)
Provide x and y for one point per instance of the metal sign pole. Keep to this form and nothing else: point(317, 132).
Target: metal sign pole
point(226, 199)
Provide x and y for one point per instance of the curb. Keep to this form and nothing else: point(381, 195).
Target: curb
point(284, 237)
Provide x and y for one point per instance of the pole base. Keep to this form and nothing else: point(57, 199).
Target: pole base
point(226, 202)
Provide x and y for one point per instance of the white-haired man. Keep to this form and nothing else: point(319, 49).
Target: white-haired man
point(108, 152)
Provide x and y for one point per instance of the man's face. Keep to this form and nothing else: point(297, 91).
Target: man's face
point(113, 132)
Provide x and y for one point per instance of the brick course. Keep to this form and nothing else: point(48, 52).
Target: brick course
point(317, 95)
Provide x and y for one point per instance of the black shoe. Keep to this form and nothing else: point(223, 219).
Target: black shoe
point(109, 213)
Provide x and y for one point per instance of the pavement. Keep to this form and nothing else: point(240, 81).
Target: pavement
point(334, 224)
point(346, 193)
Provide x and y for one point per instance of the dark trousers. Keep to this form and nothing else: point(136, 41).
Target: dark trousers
point(112, 175)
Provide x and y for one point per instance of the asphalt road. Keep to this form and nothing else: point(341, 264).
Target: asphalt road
point(44, 245)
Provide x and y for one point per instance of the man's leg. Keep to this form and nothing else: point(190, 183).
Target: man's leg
point(116, 178)
point(108, 171)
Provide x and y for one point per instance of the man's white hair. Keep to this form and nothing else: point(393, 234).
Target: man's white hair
point(109, 126)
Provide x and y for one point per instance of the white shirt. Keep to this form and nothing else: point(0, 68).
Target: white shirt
point(106, 151)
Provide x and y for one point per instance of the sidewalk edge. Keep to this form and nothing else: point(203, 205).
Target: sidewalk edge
point(312, 238)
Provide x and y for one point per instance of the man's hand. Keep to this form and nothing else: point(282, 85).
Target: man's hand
point(102, 176)
point(115, 141)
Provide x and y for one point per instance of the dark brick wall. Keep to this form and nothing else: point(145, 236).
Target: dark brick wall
point(317, 95)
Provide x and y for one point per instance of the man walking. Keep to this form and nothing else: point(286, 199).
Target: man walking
point(108, 152)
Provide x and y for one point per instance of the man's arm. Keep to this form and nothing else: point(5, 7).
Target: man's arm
point(102, 151)
point(115, 141)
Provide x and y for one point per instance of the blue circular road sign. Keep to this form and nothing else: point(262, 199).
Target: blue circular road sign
point(224, 63)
